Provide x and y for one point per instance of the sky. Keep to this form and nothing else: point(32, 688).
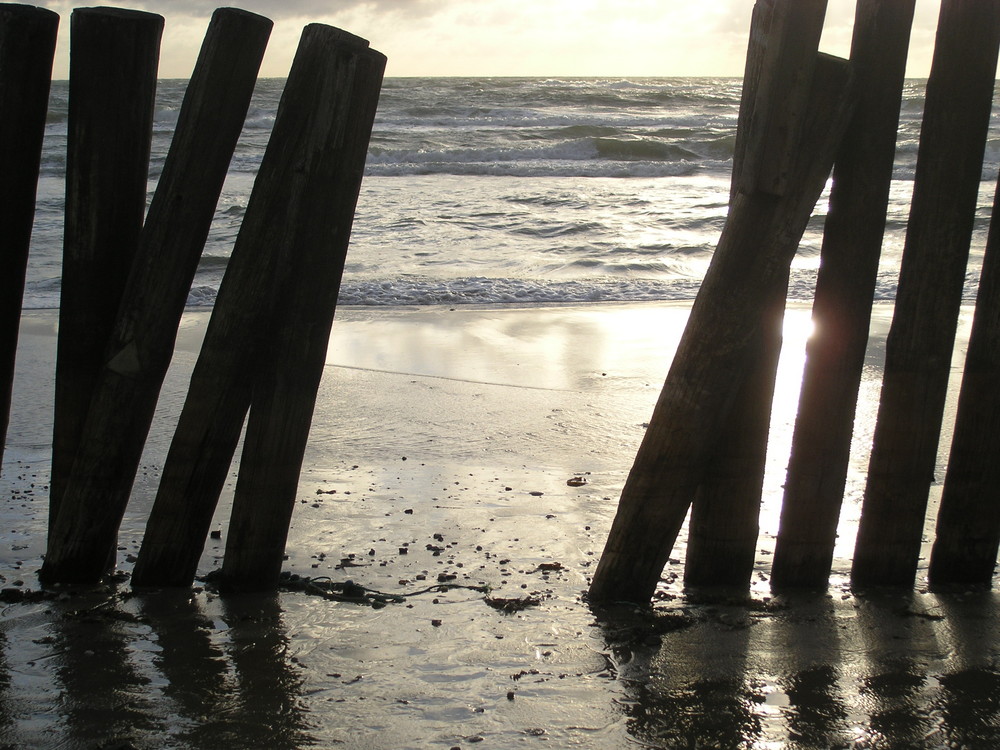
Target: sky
point(613, 38)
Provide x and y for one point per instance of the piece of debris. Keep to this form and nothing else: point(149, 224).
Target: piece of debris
point(513, 604)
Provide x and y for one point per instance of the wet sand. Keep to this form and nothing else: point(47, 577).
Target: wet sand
point(440, 453)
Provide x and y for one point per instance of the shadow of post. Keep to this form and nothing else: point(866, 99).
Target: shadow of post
point(736, 672)
point(105, 699)
point(895, 686)
point(682, 689)
point(969, 702)
point(808, 661)
point(267, 706)
point(193, 666)
point(227, 672)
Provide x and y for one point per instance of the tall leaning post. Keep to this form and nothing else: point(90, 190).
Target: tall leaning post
point(141, 345)
point(114, 55)
point(753, 255)
point(27, 48)
point(285, 395)
point(289, 213)
point(921, 339)
point(725, 514)
point(845, 288)
point(967, 537)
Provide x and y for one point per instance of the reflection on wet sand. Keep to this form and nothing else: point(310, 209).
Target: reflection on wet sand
point(897, 640)
point(229, 678)
point(190, 670)
point(970, 694)
point(932, 676)
point(105, 695)
point(686, 693)
point(809, 660)
point(266, 702)
point(193, 666)
point(885, 670)
point(154, 671)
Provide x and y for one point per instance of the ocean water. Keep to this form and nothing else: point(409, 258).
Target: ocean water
point(497, 190)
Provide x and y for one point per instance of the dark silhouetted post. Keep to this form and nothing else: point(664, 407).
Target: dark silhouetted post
point(782, 96)
point(932, 276)
point(845, 287)
point(968, 523)
point(141, 345)
point(112, 91)
point(709, 368)
point(27, 46)
point(725, 514)
point(284, 397)
point(724, 524)
point(278, 295)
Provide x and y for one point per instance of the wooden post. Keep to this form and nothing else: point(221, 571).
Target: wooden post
point(284, 397)
point(724, 523)
point(725, 515)
point(27, 46)
point(291, 213)
point(782, 95)
point(845, 287)
point(761, 23)
point(753, 254)
point(932, 276)
point(112, 91)
point(141, 345)
point(968, 523)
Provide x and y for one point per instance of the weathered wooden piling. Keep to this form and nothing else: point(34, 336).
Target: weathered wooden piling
point(845, 287)
point(725, 515)
point(141, 344)
point(932, 276)
point(112, 89)
point(27, 47)
point(269, 331)
point(284, 397)
point(724, 522)
point(753, 254)
point(968, 522)
point(783, 94)
point(761, 23)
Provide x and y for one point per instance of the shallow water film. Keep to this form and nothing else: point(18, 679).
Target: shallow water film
point(462, 472)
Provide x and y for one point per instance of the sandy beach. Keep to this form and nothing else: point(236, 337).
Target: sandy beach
point(440, 452)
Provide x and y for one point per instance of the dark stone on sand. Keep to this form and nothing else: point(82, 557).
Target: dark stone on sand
point(11, 596)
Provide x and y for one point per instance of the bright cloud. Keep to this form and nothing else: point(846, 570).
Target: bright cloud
point(499, 37)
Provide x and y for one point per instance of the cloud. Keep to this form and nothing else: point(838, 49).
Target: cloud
point(500, 37)
point(270, 8)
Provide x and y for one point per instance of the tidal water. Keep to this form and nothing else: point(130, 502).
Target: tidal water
point(496, 190)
